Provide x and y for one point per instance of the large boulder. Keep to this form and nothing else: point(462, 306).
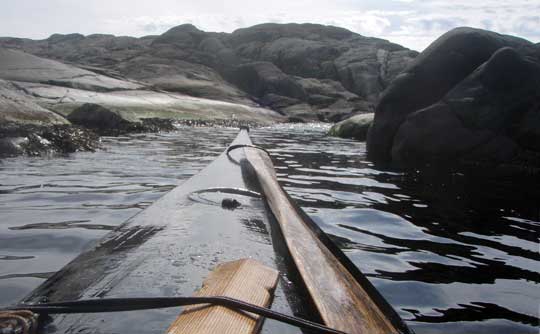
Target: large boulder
point(95, 116)
point(107, 122)
point(491, 116)
point(355, 127)
point(471, 95)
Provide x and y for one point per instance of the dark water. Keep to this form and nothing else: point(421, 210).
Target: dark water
point(453, 253)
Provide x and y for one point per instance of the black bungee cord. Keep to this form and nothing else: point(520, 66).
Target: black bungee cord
point(133, 304)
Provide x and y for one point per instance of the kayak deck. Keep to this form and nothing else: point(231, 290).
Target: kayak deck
point(169, 249)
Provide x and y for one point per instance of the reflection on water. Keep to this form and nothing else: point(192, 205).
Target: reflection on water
point(452, 252)
point(53, 208)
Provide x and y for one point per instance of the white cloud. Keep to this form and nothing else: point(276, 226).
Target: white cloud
point(429, 19)
point(411, 23)
point(373, 24)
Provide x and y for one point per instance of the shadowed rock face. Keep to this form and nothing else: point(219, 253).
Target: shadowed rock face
point(472, 95)
point(346, 71)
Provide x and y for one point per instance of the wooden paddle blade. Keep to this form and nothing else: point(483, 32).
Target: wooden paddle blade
point(340, 299)
point(245, 280)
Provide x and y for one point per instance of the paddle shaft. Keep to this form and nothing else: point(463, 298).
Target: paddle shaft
point(341, 301)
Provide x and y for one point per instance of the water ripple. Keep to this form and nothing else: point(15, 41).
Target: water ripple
point(452, 252)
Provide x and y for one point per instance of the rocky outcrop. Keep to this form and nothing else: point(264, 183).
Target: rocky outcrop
point(264, 78)
point(38, 94)
point(106, 122)
point(178, 76)
point(33, 89)
point(473, 95)
point(345, 72)
point(32, 139)
point(17, 106)
point(355, 127)
point(21, 66)
point(94, 116)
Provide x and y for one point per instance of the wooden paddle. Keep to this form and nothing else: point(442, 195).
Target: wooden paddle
point(341, 301)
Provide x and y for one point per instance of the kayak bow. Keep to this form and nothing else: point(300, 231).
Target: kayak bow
point(234, 208)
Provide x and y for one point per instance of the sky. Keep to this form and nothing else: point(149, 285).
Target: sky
point(411, 23)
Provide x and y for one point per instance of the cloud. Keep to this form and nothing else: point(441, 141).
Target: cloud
point(529, 25)
point(424, 21)
point(373, 24)
point(412, 23)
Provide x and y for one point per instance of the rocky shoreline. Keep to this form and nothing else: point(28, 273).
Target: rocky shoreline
point(41, 140)
point(36, 140)
point(304, 71)
point(62, 92)
point(472, 97)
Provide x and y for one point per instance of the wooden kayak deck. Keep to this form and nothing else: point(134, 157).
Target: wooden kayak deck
point(171, 247)
point(245, 280)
